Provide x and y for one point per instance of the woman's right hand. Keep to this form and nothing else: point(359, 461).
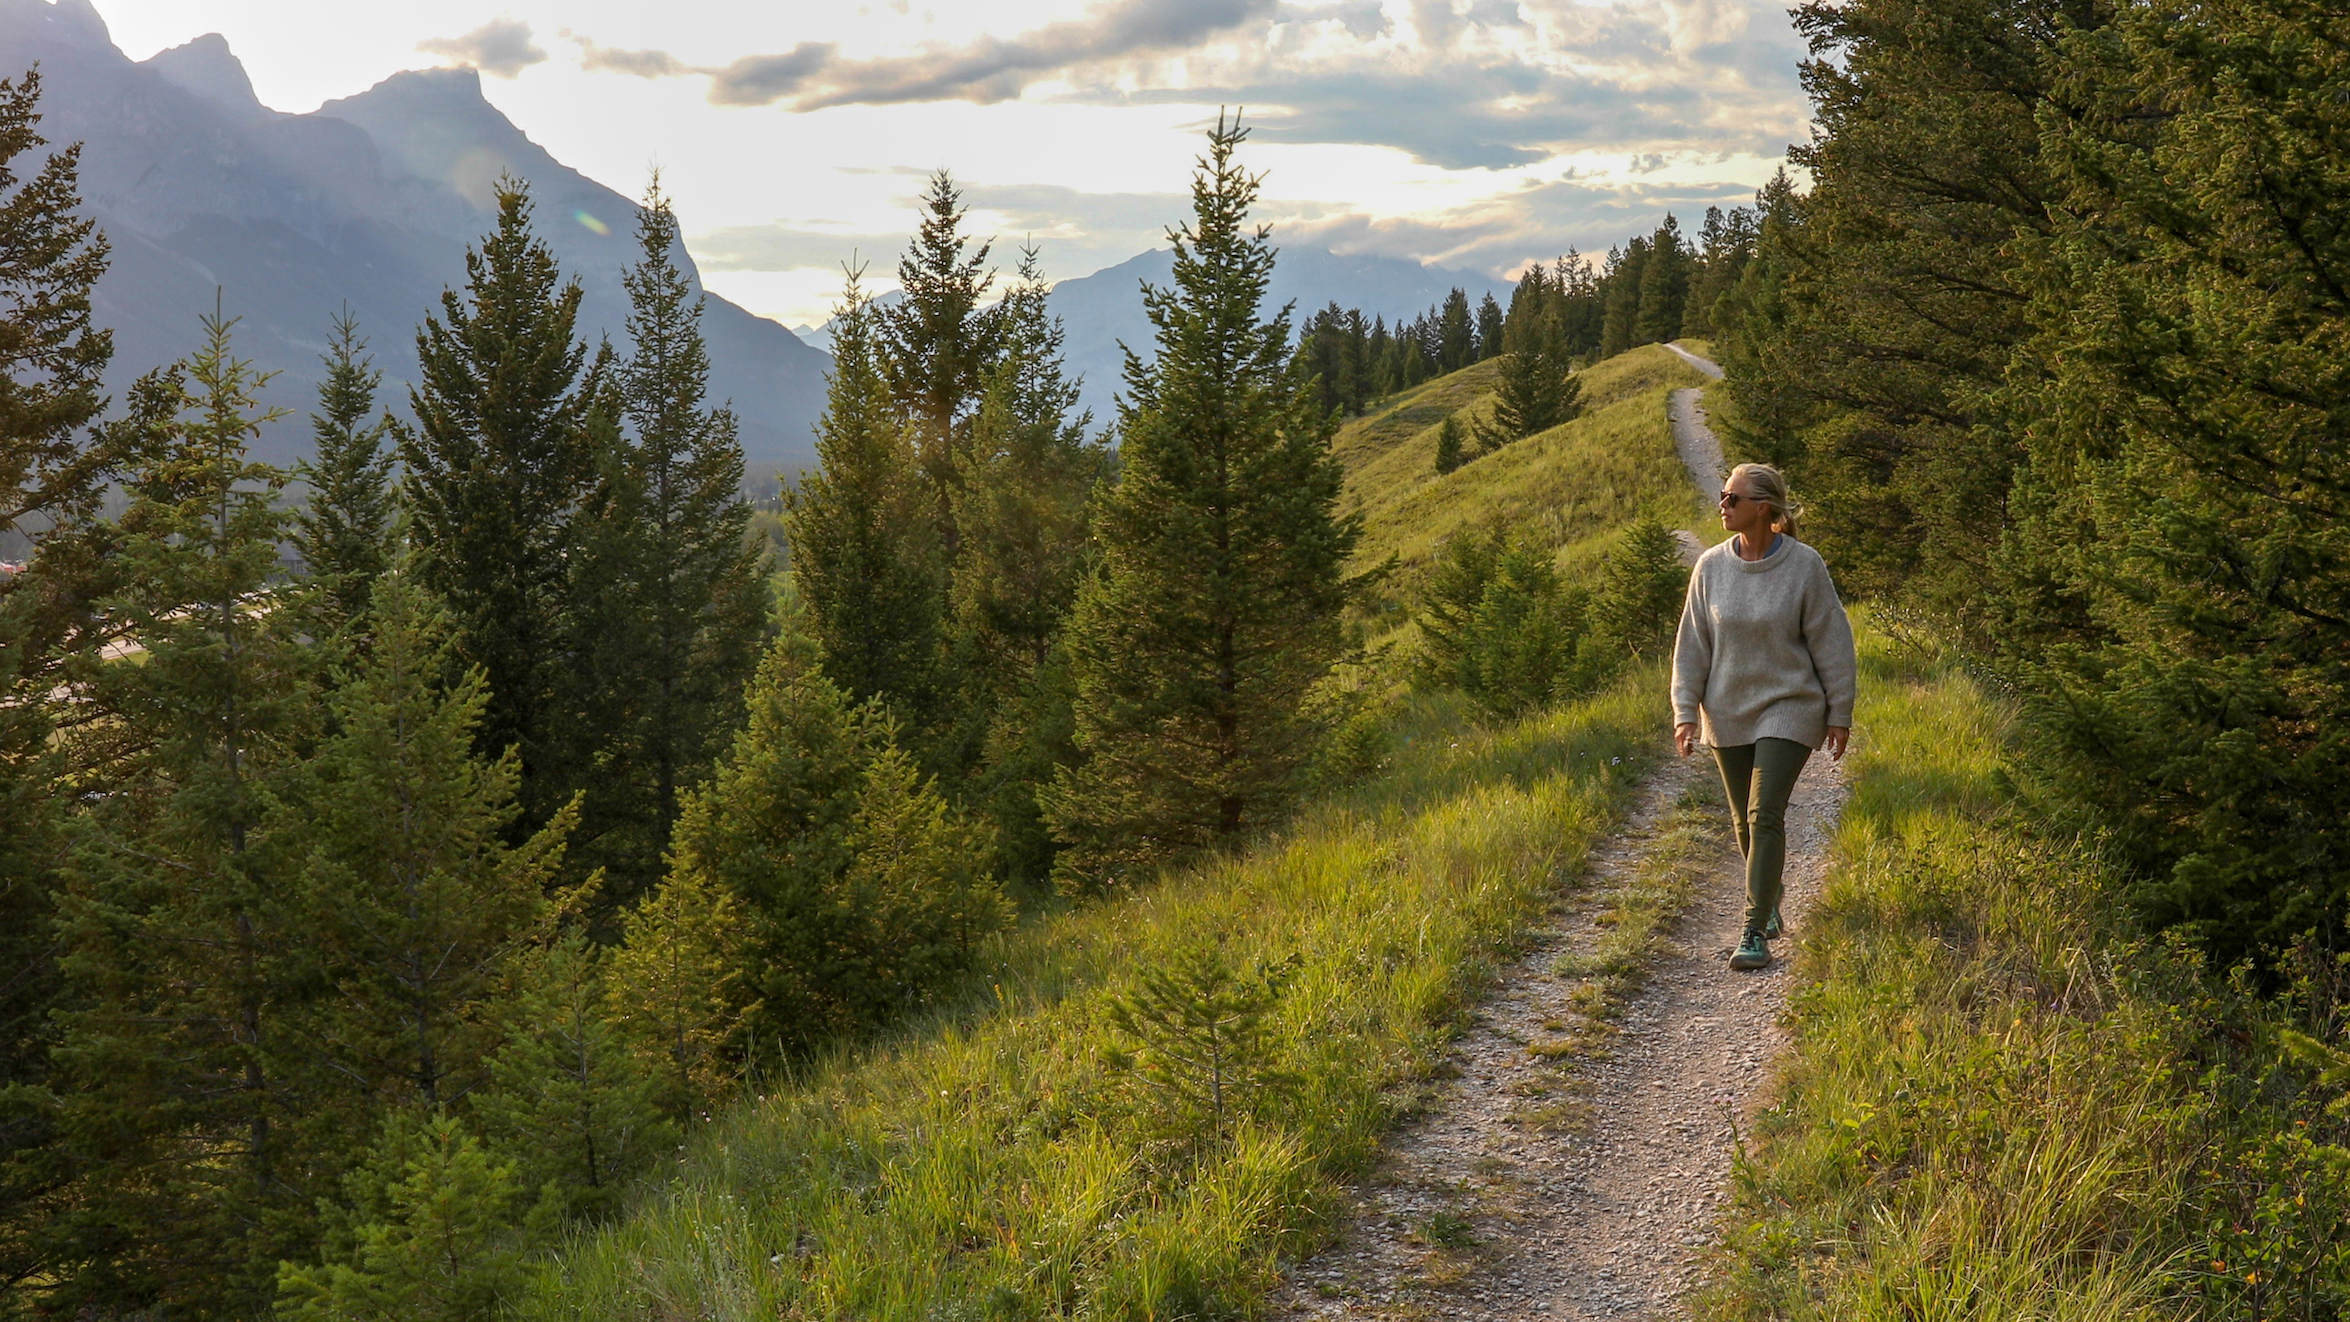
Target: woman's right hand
point(1685, 738)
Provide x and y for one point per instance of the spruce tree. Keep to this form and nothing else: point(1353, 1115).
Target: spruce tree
point(675, 987)
point(1456, 343)
point(344, 531)
point(53, 478)
point(434, 1238)
point(1536, 389)
point(1642, 583)
point(1489, 328)
point(1448, 443)
point(862, 889)
point(864, 555)
point(1664, 286)
point(574, 1107)
point(1223, 565)
point(1026, 546)
point(190, 1179)
point(497, 463)
point(668, 598)
point(1619, 327)
point(934, 347)
point(412, 901)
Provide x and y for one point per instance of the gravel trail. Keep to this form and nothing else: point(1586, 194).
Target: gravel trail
point(1538, 1186)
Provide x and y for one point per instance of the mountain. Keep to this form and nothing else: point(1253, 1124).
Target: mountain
point(1101, 310)
point(367, 203)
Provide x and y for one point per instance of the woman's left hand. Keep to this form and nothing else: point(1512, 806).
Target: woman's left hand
point(1838, 736)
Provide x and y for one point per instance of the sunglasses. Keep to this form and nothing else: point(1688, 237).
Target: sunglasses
point(1730, 499)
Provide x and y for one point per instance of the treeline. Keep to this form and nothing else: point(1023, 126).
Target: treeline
point(2055, 347)
point(367, 924)
point(1653, 289)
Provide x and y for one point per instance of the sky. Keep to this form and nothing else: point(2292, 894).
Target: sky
point(794, 137)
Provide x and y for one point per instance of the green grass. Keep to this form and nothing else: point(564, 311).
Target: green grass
point(1999, 1105)
point(1571, 488)
point(985, 1161)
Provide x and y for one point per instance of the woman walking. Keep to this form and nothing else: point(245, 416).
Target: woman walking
point(1763, 673)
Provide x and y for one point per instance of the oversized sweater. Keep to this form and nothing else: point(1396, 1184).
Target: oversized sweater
point(1764, 650)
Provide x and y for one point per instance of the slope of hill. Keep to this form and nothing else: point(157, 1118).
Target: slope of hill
point(1570, 488)
point(992, 1158)
point(367, 203)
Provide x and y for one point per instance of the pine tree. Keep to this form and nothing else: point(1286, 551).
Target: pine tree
point(2174, 586)
point(1641, 586)
point(1217, 606)
point(344, 531)
point(1489, 328)
point(434, 1239)
point(189, 1183)
point(1582, 311)
point(1025, 548)
point(1664, 286)
point(934, 347)
point(575, 1108)
point(675, 988)
point(412, 903)
point(864, 554)
point(1536, 389)
point(1456, 344)
point(1448, 444)
point(668, 592)
point(54, 477)
point(498, 461)
point(1619, 330)
point(861, 887)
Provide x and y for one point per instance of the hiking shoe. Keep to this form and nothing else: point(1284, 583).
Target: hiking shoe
point(1752, 952)
point(1774, 929)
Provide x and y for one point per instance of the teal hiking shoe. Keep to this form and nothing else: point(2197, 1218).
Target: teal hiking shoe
point(1753, 952)
point(1774, 929)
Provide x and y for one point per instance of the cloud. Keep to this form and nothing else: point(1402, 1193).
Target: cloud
point(989, 69)
point(501, 46)
point(756, 80)
point(786, 248)
point(813, 76)
point(640, 63)
point(1487, 84)
point(1500, 234)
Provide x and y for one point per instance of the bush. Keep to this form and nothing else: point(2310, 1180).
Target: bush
point(1501, 626)
point(1641, 586)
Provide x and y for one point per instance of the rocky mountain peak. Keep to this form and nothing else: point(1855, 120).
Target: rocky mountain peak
point(72, 23)
point(207, 68)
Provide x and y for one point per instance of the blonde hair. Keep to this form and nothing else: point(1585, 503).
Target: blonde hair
point(1770, 487)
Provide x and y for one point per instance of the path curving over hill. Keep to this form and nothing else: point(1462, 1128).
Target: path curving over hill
point(1549, 1181)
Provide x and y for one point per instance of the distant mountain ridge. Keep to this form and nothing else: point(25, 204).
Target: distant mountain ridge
point(368, 203)
point(1101, 311)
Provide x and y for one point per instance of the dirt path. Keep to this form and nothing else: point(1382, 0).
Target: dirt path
point(1705, 365)
point(1537, 1185)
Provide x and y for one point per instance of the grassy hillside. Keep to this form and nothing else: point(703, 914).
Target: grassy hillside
point(992, 1161)
point(2000, 1104)
point(992, 1158)
point(1570, 488)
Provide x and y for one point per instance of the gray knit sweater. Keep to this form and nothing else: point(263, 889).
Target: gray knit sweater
point(1764, 651)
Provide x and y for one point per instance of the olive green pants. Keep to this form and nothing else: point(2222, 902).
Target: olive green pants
point(1760, 778)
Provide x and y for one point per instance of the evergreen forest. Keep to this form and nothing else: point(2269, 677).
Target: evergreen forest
point(515, 863)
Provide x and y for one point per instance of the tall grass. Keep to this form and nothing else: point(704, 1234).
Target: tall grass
point(987, 1162)
point(2000, 1104)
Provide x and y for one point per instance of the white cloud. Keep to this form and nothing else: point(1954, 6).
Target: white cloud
point(501, 46)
